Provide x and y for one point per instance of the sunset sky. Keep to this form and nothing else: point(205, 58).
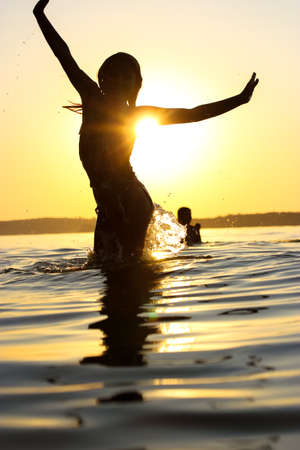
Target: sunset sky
point(191, 52)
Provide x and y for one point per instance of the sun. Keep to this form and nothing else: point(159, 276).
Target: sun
point(146, 126)
point(162, 152)
point(157, 148)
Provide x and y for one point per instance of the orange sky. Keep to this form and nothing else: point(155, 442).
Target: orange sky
point(190, 53)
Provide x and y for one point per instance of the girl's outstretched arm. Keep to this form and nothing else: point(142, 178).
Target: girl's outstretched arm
point(169, 116)
point(78, 78)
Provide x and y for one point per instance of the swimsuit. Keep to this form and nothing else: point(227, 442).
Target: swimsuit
point(124, 207)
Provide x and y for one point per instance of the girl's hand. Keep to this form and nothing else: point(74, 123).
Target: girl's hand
point(246, 93)
point(40, 6)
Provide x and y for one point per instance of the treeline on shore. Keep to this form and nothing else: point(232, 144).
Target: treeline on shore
point(47, 225)
point(79, 225)
point(252, 220)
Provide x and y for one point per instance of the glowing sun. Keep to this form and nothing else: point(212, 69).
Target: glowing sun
point(146, 126)
point(163, 151)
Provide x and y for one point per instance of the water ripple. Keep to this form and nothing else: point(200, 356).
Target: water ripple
point(170, 353)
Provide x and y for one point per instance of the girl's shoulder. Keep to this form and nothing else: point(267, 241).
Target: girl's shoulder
point(92, 95)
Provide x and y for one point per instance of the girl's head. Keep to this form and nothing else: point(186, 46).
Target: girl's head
point(120, 75)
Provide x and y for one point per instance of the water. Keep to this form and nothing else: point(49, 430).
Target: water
point(197, 350)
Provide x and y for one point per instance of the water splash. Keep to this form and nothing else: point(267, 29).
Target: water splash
point(165, 235)
point(59, 266)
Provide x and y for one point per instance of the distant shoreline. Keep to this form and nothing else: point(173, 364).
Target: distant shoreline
point(270, 219)
point(80, 225)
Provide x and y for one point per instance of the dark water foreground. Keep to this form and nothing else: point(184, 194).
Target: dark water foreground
point(199, 350)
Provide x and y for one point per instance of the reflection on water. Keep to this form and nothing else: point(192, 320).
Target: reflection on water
point(198, 350)
point(123, 331)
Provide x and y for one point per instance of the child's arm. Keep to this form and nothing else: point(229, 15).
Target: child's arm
point(169, 116)
point(78, 78)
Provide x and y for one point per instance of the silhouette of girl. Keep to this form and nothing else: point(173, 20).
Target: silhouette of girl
point(109, 115)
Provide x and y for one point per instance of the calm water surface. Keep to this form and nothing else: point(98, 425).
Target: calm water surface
point(198, 350)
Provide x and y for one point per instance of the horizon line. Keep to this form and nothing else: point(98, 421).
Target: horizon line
point(194, 218)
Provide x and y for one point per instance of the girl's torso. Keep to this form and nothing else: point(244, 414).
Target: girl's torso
point(106, 140)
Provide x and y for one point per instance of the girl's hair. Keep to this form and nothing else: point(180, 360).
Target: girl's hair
point(116, 63)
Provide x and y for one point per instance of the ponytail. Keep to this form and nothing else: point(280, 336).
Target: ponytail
point(75, 107)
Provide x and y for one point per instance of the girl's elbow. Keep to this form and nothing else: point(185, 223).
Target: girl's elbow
point(36, 10)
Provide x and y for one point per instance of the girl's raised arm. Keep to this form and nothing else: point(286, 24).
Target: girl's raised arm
point(78, 78)
point(169, 116)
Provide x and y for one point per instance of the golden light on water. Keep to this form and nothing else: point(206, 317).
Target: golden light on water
point(13, 421)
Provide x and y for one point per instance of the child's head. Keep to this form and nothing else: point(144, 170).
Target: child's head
point(184, 215)
point(120, 74)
